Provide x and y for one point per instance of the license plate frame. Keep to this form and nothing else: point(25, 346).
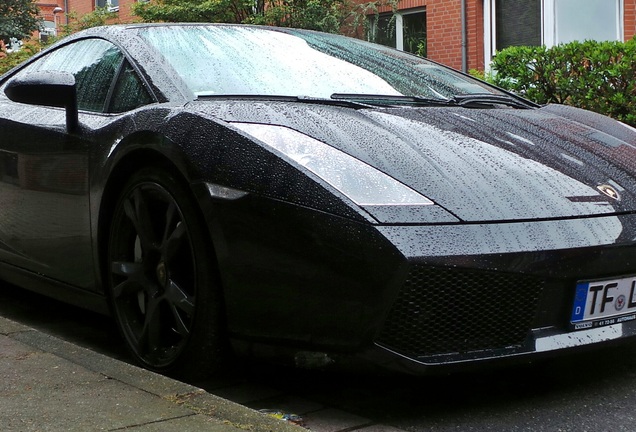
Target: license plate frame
point(603, 302)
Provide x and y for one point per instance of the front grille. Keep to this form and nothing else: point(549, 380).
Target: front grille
point(443, 310)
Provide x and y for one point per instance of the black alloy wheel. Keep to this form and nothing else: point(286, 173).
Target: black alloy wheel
point(163, 290)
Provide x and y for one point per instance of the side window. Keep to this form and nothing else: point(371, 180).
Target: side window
point(93, 62)
point(129, 92)
point(95, 79)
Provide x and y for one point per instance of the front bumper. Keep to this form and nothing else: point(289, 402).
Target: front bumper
point(503, 291)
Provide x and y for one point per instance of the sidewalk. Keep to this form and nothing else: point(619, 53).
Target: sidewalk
point(47, 384)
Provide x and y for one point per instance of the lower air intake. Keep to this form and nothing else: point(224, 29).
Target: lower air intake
point(444, 311)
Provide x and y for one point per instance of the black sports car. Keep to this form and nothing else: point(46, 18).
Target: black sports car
point(279, 192)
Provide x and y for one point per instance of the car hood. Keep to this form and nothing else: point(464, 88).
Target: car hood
point(478, 164)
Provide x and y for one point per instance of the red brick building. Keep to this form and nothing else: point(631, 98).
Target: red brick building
point(465, 34)
point(52, 15)
point(55, 13)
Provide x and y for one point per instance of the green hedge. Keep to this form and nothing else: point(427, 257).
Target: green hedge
point(10, 60)
point(99, 17)
point(598, 76)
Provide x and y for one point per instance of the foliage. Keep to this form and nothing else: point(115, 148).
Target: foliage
point(332, 16)
point(598, 76)
point(233, 11)
point(10, 60)
point(323, 15)
point(362, 16)
point(99, 17)
point(18, 19)
point(416, 45)
point(479, 74)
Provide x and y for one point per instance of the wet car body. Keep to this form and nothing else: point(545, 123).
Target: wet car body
point(519, 205)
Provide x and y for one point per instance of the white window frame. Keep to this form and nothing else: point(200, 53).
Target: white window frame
point(399, 25)
point(399, 41)
point(399, 31)
point(548, 26)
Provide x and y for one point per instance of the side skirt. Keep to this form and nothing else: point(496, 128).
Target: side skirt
point(55, 289)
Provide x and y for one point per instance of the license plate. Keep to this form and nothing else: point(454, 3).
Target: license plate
point(604, 302)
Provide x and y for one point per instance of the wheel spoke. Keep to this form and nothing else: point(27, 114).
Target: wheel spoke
point(175, 240)
point(150, 338)
point(127, 269)
point(171, 213)
point(136, 279)
point(179, 298)
point(180, 326)
point(136, 208)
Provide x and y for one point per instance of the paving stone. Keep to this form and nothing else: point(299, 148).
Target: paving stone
point(47, 384)
point(44, 392)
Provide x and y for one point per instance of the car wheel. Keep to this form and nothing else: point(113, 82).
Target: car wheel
point(163, 288)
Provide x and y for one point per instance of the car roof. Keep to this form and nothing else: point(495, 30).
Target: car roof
point(121, 32)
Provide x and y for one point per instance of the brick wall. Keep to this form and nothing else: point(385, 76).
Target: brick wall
point(82, 7)
point(443, 30)
point(46, 13)
point(444, 36)
point(404, 4)
point(46, 9)
point(475, 32)
point(630, 19)
point(125, 14)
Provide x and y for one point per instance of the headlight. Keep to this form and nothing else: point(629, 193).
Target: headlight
point(360, 182)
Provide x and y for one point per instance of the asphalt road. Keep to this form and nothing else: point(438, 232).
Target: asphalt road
point(594, 391)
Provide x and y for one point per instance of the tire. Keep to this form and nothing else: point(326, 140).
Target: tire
point(163, 285)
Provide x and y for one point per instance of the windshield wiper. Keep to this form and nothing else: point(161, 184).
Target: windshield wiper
point(481, 99)
point(363, 100)
point(279, 98)
point(379, 99)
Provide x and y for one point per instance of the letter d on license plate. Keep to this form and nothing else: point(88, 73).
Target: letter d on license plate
point(604, 302)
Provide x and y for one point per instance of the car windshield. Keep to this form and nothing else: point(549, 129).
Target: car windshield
point(243, 60)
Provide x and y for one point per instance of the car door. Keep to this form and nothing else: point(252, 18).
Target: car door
point(44, 169)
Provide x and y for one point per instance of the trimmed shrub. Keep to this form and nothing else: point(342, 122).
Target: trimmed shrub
point(598, 76)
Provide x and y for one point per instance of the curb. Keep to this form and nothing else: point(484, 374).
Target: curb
point(185, 395)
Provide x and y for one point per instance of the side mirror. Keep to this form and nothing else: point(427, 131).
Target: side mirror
point(50, 88)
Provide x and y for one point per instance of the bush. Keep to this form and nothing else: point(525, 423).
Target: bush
point(598, 76)
point(10, 60)
point(99, 17)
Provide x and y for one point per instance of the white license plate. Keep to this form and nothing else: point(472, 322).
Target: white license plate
point(604, 302)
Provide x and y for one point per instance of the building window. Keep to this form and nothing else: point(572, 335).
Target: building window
point(549, 22)
point(518, 22)
point(405, 30)
point(47, 30)
point(585, 19)
point(112, 5)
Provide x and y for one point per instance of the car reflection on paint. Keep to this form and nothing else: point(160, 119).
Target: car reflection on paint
point(224, 189)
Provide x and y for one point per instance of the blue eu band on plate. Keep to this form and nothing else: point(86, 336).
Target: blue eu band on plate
point(604, 302)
